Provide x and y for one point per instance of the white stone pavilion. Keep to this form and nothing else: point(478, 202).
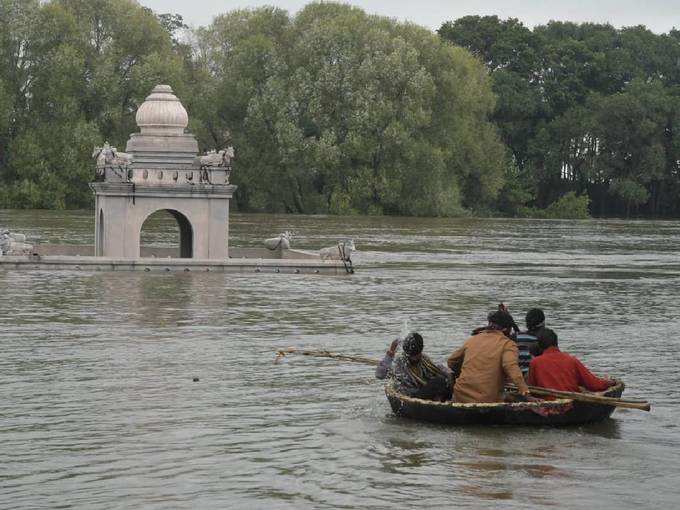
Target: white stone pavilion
point(161, 170)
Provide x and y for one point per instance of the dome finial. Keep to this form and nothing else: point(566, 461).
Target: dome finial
point(162, 113)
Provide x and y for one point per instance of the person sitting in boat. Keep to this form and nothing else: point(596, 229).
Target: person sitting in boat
point(484, 362)
point(527, 342)
point(514, 330)
point(414, 373)
point(557, 370)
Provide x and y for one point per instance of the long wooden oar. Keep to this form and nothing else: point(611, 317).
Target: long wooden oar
point(325, 354)
point(582, 397)
point(589, 397)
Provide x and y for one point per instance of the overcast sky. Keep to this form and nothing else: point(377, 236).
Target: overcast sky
point(658, 15)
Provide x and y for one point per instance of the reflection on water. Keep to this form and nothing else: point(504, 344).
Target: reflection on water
point(609, 429)
point(99, 407)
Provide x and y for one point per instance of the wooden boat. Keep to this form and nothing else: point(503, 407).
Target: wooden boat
point(544, 413)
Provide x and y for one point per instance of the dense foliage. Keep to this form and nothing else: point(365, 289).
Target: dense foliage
point(71, 75)
point(336, 111)
point(586, 108)
point(332, 110)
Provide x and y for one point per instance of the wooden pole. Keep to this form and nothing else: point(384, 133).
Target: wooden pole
point(590, 398)
point(581, 397)
point(325, 354)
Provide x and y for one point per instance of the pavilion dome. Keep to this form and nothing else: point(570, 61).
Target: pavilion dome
point(162, 113)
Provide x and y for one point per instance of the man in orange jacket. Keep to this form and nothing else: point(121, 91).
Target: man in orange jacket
point(484, 362)
point(557, 370)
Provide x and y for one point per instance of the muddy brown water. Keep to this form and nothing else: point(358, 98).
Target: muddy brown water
point(99, 408)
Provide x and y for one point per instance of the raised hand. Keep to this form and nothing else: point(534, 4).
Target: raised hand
point(393, 347)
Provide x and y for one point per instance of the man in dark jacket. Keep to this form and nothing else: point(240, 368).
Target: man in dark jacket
point(415, 375)
point(527, 342)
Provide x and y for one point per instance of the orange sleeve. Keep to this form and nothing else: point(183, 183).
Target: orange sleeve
point(455, 361)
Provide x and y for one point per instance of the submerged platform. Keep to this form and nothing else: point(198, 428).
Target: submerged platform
point(157, 265)
point(241, 260)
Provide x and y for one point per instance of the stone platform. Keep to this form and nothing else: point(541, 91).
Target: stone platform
point(163, 171)
point(163, 265)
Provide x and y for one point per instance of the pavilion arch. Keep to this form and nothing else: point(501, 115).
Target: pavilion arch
point(186, 232)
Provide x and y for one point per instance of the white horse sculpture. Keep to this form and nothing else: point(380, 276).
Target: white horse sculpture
point(14, 244)
point(282, 241)
point(341, 251)
point(217, 158)
point(110, 157)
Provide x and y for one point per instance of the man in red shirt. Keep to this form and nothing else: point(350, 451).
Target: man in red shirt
point(560, 371)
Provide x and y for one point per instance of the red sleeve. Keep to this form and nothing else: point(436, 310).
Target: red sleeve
point(588, 380)
point(531, 380)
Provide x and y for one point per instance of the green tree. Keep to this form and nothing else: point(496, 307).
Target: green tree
point(72, 73)
point(586, 108)
point(630, 130)
point(338, 111)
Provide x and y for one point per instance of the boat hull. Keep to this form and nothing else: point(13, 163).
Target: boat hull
point(543, 413)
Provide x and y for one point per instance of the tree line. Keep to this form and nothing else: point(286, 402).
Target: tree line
point(333, 110)
point(585, 109)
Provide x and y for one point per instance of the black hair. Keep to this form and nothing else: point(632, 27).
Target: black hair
point(546, 338)
point(535, 319)
point(501, 319)
point(413, 344)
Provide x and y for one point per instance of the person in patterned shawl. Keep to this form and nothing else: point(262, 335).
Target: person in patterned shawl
point(414, 373)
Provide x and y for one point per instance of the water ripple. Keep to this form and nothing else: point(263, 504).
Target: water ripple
point(99, 408)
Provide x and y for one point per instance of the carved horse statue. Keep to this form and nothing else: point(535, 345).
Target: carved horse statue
point(110, 157)
point(342, 251)
point(282, 241)
point(218, 159)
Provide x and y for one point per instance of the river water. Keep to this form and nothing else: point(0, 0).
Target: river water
point(99, 409)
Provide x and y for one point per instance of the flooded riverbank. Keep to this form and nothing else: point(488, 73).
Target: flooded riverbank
point(99, 408)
